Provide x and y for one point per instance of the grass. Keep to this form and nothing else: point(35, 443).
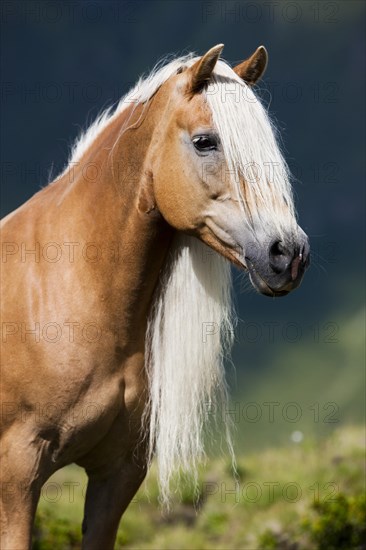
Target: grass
point(303, 496)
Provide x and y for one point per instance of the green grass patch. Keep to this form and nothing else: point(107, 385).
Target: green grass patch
point(304, 496)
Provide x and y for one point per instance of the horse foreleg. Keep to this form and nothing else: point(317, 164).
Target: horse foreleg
point(18, 507)
point(107, 498)
point(22, 477)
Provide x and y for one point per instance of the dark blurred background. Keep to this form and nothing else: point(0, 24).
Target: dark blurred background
point(63, 62)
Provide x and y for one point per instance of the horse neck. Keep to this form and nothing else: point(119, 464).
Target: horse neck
point(116, 211)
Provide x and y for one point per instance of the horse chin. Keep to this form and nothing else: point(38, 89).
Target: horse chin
point(261, 285)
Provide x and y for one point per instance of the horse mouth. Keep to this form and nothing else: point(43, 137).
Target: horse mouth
point(261, 285)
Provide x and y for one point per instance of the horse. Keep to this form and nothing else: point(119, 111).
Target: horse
point(116, 287)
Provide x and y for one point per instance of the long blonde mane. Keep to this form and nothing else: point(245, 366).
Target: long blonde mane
point(191, 322)
point(189, 333)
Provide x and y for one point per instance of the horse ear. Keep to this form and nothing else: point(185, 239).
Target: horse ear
point(253, 68)
point(201, 70)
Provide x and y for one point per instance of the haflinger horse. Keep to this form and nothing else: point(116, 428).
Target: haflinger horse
point(116, 288)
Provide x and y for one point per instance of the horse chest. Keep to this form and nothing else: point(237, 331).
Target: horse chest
point(77, 428)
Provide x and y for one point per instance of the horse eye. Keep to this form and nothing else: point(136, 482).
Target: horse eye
point(205, 143)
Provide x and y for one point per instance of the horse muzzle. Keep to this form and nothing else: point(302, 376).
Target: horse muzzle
point(279, 268)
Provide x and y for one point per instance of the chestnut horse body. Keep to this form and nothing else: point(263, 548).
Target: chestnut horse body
point(84, 265)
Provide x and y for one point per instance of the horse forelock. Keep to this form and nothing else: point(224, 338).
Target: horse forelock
point(259, 173)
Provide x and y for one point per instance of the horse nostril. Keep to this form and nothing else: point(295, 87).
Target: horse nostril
point(279, 257)
point(277, 249)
